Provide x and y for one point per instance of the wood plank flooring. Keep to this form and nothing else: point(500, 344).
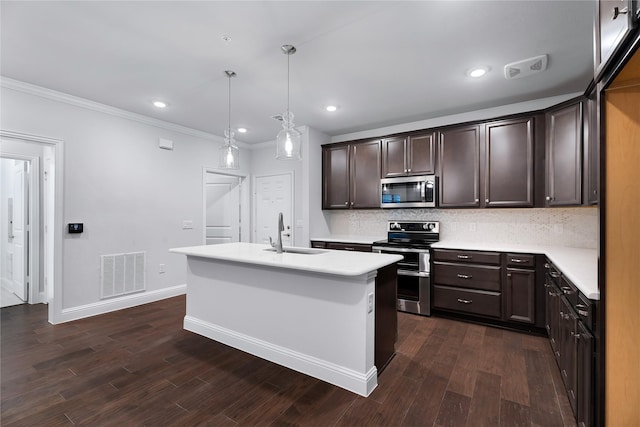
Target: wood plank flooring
point(139, 367)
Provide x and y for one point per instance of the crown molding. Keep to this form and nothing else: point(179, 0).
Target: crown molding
point(76, 101)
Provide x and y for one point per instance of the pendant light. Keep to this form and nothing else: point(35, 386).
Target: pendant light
point(288, 140)
point(229, 153)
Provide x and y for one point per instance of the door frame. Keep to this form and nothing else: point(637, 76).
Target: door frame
point(242, 177)
point(254, 202)
point(33, 241)
point(53, 288)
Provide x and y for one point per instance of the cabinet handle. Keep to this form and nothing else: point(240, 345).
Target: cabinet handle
point(464, 257)
point(408, 170)
point(549, 198)
point(464, 301)
point(554, 274)
point(576, 336)
point(477, 200)
point(508, 274)
point(567, 290)
point(486, 200)
point(351, 203)
point(617, 12)
point(517, 260)
point(405, 171)
point(583, 313)
point(546, 265)
point(464, 276)
point(346, 203)
point(348, 249)
point(595, 192)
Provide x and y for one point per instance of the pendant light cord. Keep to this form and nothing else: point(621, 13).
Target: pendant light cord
point(288, 83)
point(229, 127)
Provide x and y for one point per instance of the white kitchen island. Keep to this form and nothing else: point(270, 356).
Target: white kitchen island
point(329, 314)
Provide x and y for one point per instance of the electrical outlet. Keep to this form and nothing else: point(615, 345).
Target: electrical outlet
point(370, 305)
point(161, 269)
point(187, 224)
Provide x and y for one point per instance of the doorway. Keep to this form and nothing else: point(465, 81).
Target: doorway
point(273, 194)
point(35, 163)
point(222, 208)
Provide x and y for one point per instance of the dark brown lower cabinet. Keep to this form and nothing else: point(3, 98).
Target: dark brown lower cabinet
point(572, 342)
point(518, 292)
point(386, 321)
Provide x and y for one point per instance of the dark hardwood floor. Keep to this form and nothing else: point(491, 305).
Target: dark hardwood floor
point(139, 367)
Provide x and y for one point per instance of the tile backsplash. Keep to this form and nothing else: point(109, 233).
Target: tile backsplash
point(574, 227)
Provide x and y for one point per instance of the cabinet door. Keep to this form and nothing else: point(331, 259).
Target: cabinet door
point(519, 295)
point(592, 155)
point(564, 156)
point(569, 351)
point(585, 391)
point(394, 157)
point(509, 163)
point(365, 175)
point(421, 154)
point(552, 309)
point(335, 177)
point(613, 24)
point(459, 167)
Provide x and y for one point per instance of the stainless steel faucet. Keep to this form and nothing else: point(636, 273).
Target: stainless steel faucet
point(278, 244)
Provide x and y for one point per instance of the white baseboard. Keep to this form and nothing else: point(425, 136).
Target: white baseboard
point(360, 383)
point(127, 301)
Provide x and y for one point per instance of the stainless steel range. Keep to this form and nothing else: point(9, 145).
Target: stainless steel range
point(413, 241)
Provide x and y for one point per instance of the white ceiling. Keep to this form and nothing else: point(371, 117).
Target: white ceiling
point(382, 62)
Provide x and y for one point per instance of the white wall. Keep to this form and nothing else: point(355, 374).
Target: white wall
point(130, 195)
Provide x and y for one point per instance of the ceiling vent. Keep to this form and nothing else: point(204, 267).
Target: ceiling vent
point(526, 67)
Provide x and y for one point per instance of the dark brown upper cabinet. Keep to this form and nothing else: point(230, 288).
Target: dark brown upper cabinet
point(509, 163)
point(411, 155)
point(459, 171)
point(351, 175)
point(564, 156)
point(614, 22)
point(591, 150)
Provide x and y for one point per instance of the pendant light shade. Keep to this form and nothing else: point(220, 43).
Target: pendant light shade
point(288, 142)
point(229, 153)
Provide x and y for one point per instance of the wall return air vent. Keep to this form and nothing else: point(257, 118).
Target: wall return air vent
point(122, 274)
point(525, 67)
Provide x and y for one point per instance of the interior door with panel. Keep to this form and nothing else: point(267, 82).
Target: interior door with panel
point(273, 194)
point(17, 256)
point(459, 167)
point(222, 212)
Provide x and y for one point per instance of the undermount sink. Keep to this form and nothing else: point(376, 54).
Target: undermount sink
point(302, 251)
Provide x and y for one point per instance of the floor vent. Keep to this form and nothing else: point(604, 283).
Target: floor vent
point(122, 274)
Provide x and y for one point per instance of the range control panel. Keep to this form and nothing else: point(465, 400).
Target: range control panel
point(419, 226)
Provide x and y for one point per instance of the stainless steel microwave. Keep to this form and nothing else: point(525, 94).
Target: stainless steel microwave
point(408, 192)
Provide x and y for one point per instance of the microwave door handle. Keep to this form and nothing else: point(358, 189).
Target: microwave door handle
point(422, 193)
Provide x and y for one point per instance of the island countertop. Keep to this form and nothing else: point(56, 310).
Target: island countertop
point(325, 261)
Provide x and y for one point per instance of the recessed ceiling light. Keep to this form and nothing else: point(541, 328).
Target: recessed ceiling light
point(331, 108)
point(159, 104)
point(242, 130)
point(477, 72)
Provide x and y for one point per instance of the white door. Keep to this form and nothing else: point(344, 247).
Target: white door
point(273, 194)
point(18, 237)
point(222, 208)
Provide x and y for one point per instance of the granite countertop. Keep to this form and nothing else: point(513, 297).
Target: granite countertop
point(341, 263)
point(579, 265)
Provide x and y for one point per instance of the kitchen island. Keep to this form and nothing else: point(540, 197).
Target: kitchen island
point(329, 314)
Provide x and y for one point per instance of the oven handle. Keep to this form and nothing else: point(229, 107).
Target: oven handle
point(413, 273)
point(387, 250)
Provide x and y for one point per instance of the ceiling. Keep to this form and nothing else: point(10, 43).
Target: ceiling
point(381, 62)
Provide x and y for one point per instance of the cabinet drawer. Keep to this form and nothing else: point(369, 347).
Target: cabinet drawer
point(358, 247)
point(521, 260)
point(467, 301)
point(585, 310)
point(467, 276)
point(472, 257)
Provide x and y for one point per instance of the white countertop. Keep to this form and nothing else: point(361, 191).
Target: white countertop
point(578, 264)
point(351, 238)
point(341, 263)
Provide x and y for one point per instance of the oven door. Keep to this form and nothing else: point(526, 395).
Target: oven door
point(414, 293)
